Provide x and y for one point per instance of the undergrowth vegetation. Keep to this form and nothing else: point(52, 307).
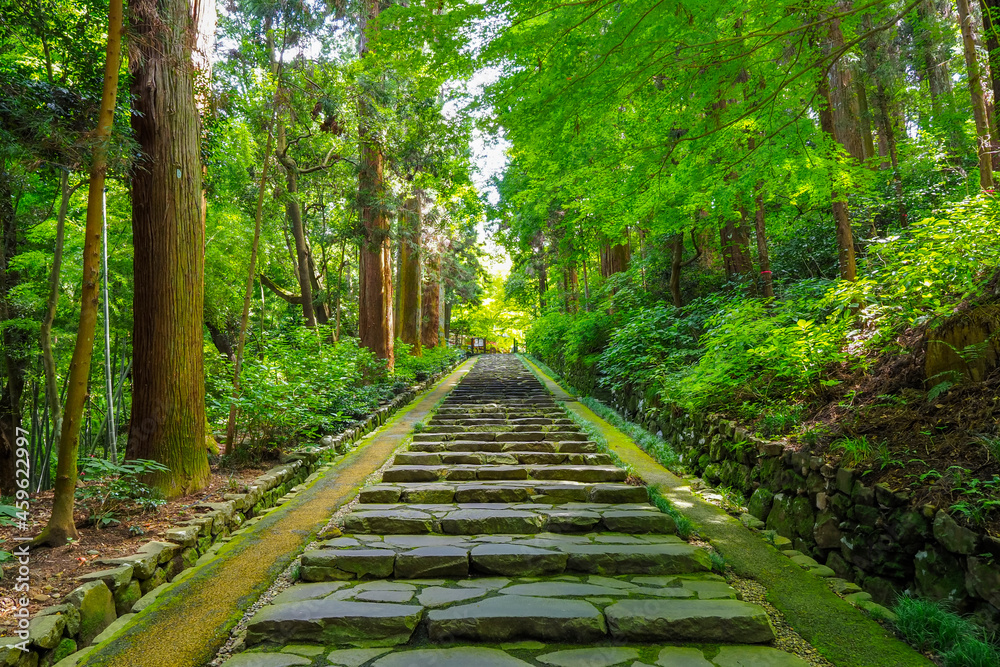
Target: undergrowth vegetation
point(932, 626)
point(305, 385)
point(731, 349)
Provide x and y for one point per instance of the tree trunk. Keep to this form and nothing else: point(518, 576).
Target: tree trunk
point(586, 286)
point(572, 290)
point(864, 118)
point(614, 258)
point(430, 300)
point(845, 237)
point(763, 257)
point(735, 241)
point(934, 64)
point(48, 359)
point(409, 273)
point(976, 93)
point(61, 526)
point(677, 245)
point(168, 400)
point(14, 341)
point(991, 14)
point(845, 102)
point(340, 286)
point(375, 271)
point(303, 272)
point(543, 285)
point(447, 320)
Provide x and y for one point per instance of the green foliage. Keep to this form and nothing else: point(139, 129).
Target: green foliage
point(111, 487)
point(855, 451)
point(718, 562)
point(8, 515)
point(650, 345)
point(933, 626)
point(305, 385)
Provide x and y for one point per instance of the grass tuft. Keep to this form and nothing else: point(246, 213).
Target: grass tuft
point(933, 626)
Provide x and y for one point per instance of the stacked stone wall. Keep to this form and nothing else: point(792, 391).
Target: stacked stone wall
point(871, 534)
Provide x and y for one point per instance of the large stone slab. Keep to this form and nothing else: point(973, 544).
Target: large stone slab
point(689, 620)
point(515, 617)
point(491, 521)
point(566, 589)
point(517, 560)
point(388, 522)
point(490, 493)
point(676, 656)
point(617, 493)
point(579, 473)
point(431, 562)
point(637, 523)
point(599, 656)
point(266, 660)
point(463, 656)
point(756, 656)
point(335, 564)
point(636, 558)
point(354, 657)
point(335, 622)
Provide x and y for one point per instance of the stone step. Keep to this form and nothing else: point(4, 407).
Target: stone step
point(514, 491)
point(567, 609)
point(499, 411)
point(493, 518)
point(532, 429)
point(455, 420)
point(563, 656)
point(421, 556)
point(335, 622)
point(490, 436)
point(572, 447)
point(464, 473)
point(500, 458)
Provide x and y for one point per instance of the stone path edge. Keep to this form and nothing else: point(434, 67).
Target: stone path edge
point(192, 618)
point(839, 631)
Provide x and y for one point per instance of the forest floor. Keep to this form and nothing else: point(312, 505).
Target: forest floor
point(54, 571)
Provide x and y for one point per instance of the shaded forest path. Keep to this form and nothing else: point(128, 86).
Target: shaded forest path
point(503, 536)
point(188, 624)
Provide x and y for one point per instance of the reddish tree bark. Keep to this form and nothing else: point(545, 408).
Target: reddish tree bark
point(375, 326)
point(410, 292)
point(168, 401)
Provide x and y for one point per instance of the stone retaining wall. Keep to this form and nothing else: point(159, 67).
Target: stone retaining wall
point(870, 534)
point(106, 600)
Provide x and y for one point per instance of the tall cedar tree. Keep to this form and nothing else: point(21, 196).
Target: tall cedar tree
point(168, 402)
point(375, 327)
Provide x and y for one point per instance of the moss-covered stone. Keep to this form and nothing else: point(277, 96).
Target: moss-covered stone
point(760, 503)
point(97, 609)
point(126, 596)
point(158, 578)
point(66, 648)
point(939, 575)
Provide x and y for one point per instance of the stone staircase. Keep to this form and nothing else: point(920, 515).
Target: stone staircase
point(499, 537)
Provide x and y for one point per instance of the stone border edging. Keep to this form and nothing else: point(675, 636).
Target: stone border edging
point(107, 600)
